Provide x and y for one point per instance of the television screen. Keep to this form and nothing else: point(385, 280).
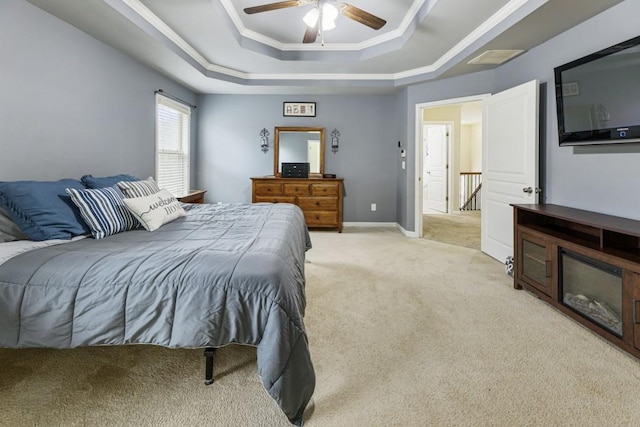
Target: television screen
point(598, 96)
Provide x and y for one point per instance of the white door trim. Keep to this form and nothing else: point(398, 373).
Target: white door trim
point(418, 151)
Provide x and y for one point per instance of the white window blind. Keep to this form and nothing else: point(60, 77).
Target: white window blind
point(173, 123)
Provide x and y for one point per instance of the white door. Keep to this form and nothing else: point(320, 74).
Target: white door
point(313, 156)
point(510, 164)
point(436, 153)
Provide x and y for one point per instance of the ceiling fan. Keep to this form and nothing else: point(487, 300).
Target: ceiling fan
point(322, 16)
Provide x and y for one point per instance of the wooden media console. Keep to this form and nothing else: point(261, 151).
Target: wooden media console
point(583, 263)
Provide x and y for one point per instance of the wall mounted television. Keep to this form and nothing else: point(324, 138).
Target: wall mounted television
point(598, 97)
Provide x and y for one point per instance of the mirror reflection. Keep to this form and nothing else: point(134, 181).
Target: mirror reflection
point(299, 145)
point(304, 147)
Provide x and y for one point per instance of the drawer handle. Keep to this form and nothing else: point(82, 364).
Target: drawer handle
point(548, 268)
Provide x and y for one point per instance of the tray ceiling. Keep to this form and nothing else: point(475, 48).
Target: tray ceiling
point(212, 46)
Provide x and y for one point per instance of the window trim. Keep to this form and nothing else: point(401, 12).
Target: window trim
point(185, 112)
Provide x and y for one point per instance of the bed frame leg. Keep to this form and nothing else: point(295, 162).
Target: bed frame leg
point(208, 354)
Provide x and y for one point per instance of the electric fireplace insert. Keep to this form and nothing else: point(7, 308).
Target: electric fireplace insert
point(592, 289)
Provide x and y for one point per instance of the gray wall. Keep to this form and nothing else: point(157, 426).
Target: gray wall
point(229, 150)
point(601, 179)
point(595, 178)
point(72, 105)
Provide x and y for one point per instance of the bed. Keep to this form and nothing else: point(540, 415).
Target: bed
point(219, 275)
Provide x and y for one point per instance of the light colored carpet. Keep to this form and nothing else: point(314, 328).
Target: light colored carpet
point(460, 229)
point(403, 332)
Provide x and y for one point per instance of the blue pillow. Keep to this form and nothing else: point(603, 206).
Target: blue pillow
point(103, 210)
point(42, 209)
point(106, 181)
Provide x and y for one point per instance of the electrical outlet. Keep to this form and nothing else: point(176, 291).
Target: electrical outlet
point(373, 207)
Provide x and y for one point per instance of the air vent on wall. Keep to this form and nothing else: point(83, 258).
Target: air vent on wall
point(495, 57)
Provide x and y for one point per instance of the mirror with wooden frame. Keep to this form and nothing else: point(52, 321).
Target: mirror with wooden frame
point(299, 145)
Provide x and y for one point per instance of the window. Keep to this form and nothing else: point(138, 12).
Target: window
point(173, 123)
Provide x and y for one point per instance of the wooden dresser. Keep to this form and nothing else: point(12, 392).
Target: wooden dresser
point(319, 198)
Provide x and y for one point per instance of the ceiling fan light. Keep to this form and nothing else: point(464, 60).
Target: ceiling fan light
point(329, 15)
point(328, 24)
point(311, 18)
point(329, 11)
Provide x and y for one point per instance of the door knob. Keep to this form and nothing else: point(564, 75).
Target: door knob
point(528, 190)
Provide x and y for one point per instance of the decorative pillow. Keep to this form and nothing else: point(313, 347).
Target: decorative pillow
point(155, 210)
point(9, 231)
point(103, 210)
point(42, 209)
point(106, 181)
point(148, 187)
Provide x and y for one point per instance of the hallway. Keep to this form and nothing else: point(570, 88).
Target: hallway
point(460, 229)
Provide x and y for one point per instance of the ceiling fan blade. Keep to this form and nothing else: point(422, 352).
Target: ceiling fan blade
point(311, 34)
point(273, 6)
point(362, 17)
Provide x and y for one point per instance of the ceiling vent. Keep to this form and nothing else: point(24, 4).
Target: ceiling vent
point(495, 57)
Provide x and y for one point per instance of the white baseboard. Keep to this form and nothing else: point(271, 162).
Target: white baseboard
point(412, 234)
point(369, 224)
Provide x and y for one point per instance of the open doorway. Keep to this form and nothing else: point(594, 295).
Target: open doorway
point(451, 171)
point(509, 161)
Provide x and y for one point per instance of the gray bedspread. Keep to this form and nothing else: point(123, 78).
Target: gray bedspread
point(222, 274)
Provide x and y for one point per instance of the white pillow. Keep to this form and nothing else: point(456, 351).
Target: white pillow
point(155, 210)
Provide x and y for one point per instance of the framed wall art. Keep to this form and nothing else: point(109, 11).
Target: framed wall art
point(299, 109)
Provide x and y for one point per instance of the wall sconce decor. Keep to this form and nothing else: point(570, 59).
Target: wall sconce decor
point(264, 140)
point(335, 140)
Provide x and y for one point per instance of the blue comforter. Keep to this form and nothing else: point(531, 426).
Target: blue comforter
point(222, 274)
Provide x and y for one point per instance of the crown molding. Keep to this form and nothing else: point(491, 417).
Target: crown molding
point(500, 18)
point(502, 15)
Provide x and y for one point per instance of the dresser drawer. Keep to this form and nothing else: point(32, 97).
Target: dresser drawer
point(321, 218)
point(318, 203)
point(318, 189)
point(268, 188)
point(297, 189)
point(274, 199)
point(319, 199)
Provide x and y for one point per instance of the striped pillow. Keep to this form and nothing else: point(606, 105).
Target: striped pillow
point(103, 210)
point(131, 189)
